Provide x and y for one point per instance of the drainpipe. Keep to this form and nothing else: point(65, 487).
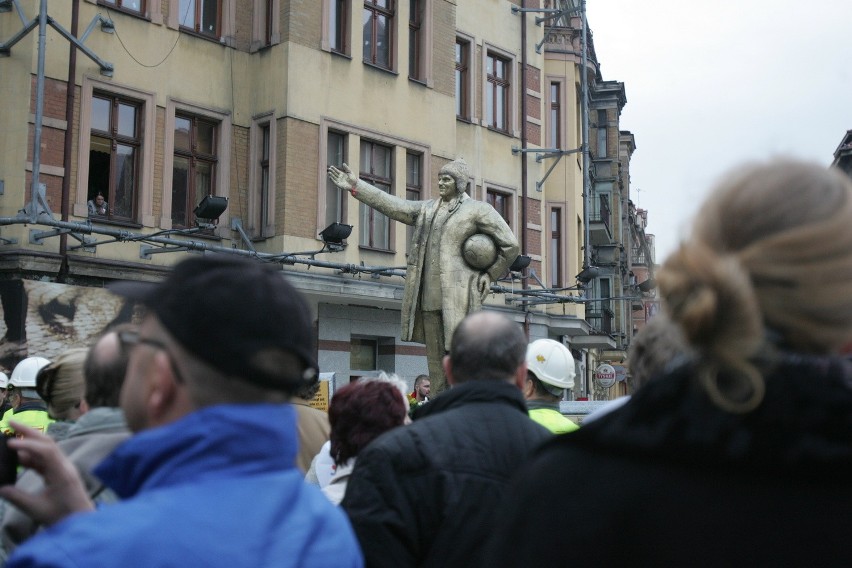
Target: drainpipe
point(584, 145)
point(69, 135)
point(524, 136)
point(584, 110)
point(39, 110)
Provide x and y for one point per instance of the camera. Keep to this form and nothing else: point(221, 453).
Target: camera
point(8, 462)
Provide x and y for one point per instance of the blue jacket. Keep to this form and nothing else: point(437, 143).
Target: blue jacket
point(216, 488)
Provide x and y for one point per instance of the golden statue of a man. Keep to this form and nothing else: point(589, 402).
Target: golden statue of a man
point(459, 247)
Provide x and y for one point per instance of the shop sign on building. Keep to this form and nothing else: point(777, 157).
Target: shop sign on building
point(605, 375)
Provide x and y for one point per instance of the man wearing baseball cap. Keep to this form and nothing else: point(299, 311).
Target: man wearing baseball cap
point(209, 478)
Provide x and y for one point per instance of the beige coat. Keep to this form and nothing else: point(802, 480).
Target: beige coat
point(314, 431)
point(459, 291)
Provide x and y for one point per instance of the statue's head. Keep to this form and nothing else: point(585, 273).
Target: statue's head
point(459, 171)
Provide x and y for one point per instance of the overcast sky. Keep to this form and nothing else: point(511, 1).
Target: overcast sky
point(713, 84)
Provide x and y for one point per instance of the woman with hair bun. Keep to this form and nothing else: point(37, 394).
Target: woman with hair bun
point(740, 452)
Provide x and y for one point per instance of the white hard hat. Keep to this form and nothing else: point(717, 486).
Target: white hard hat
point(551, 363)
point(24, 373)
point(4, 380)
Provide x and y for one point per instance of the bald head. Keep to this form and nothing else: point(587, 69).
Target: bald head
point(104, 369)
point(487, 346)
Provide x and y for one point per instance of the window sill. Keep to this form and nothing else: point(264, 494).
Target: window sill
point(120, 10)
point(421, 82)
point(380, 68)
point(193, 33)
point(115, 222)
point(464, 120)
point(340, 54)
point(261, 238)
point(372, 249)
point(206, 234)
point(498, 131)
point(257, 47)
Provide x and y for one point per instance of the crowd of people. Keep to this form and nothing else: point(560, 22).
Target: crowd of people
point(188, 438)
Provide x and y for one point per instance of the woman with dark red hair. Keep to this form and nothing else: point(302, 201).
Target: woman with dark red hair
point(359, 413)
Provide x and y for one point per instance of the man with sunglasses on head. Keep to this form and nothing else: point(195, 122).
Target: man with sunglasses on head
point(209, 477)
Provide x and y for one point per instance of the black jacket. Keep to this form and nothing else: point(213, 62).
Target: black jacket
point(427, 494)
point(671, 480)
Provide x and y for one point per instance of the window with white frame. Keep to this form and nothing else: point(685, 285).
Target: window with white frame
point(266, 29)
point(464, 59)
point(415, 39)
point(201, 16)
point(498, 83)
point(193, 161)
point(413, 187)
point(335, 198)
point(193, 165)
point(377, 170)
point(211, 19)
point(337, 16)
point(419, 44)
point(378, 18)
point(114, 157)
point(149, 9)
point(133, 6)
point(263, 182)
point(602, 134)
point(556, 249)
point(261, 203)
point(554, 130)
point(502, 201)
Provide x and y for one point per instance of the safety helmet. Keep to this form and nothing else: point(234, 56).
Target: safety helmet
point(4, 380)
point(24, 373)
point(551, 363)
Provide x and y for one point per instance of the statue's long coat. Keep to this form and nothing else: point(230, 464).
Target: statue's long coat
point(459, 292)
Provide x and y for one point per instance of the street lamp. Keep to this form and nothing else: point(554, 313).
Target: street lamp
point(334, 235)
point(520, 263)
point(210, 209)
point(588, 274)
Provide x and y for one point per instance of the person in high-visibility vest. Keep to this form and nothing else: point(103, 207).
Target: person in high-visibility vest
point(550, 370)
point(4, 396)
point(27, 407)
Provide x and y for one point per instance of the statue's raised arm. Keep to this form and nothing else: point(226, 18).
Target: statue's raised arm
point(394, 207)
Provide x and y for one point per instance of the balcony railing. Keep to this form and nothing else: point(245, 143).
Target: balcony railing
point(600, 319)
point(639, 256)
point(600, 210)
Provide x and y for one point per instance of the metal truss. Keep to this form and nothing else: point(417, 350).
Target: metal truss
point(170, 241)
point(180, 240)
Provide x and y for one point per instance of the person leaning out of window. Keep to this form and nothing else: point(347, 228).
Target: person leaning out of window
point(98, 205)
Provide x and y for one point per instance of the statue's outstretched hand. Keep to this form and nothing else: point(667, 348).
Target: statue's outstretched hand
point(343, 177)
